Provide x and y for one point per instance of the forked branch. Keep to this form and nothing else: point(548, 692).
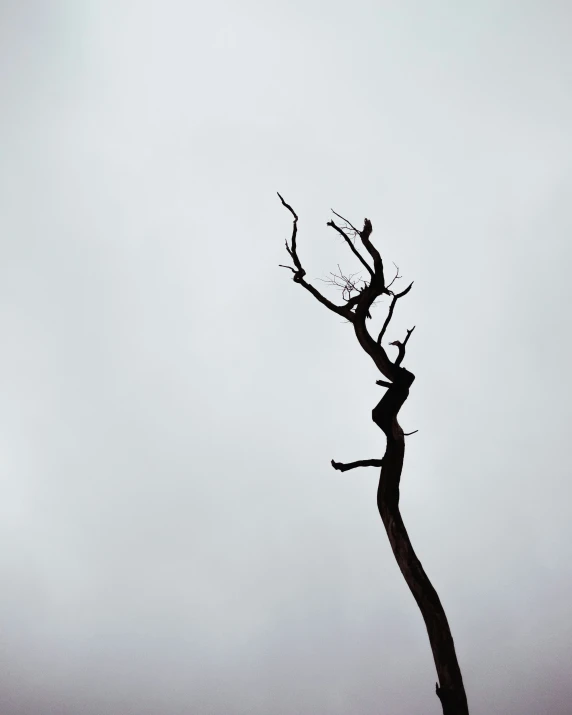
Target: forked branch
point(357, 307)
point(299, 271)
point(396, 297)
point(401, 346)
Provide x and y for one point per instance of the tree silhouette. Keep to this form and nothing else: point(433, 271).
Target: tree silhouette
point(358, 298)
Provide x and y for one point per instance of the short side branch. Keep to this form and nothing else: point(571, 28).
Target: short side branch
point(341, 467)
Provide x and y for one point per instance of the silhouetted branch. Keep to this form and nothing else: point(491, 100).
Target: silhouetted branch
point(408, 336)
point(353, 228)
point(401, 346)
point(299, 271)
point(347, 284)
point(348, 240)
point(396, 297)
point(341, 467)
point(364, 234)
point(396, 277)
point(280, 265)
point(406, 434)
point(357, 308)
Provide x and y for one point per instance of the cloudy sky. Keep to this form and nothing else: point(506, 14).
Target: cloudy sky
point(172, 537)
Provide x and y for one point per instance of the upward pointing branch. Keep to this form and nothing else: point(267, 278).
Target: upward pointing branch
point(364, 234)
point(353, 249)
point(299, 271)
point(401, 346)
point(357, 307)
point(396, 297)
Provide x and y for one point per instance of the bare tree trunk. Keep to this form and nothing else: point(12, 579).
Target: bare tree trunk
point(359, 296)
point(450, 688)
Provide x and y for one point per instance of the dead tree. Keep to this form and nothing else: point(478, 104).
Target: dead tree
point(358, 299)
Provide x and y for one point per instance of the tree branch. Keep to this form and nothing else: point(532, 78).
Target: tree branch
point(401, 346)
point(396, 277)
point(341, 467)
point(348, 240)
point(357, 309)
point(376, 352)
point(408, 336)
point(396, 297)
point(353, 228)
point(364, 234)
point(347, 284)
point(299, 271)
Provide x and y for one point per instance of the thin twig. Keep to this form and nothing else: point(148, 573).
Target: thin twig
point(353, 228)
point(395, 278)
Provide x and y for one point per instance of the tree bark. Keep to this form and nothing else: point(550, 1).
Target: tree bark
point(450, 688)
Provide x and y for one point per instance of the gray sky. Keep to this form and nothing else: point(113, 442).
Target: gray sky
point(173, 539)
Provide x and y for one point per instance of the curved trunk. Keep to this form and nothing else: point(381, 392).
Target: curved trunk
point(450, 689)
point(356, 310)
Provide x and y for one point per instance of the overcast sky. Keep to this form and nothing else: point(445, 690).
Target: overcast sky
point(173, 539)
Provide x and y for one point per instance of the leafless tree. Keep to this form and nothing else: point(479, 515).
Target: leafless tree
point(359, 295)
